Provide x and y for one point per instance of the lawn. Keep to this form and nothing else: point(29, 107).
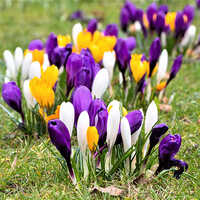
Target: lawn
point(28, 170)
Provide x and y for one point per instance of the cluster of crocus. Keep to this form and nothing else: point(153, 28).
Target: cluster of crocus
point(171, 27)
point(105, 132)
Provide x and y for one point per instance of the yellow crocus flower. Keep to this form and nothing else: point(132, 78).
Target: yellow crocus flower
point(92, 138)
point(84, 39)
point(37, 55)
point(170, 20)
point(161, 86)
point(63, 40)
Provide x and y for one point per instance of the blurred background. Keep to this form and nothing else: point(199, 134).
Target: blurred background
point(24, 20)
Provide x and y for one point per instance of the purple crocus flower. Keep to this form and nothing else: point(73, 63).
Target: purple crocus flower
point(92, 25)
point(35, 44)
point(131, 10)
point(123, 57)
point(77, 15)
point(60, 137)
point(180, 25)
point(189, 11)
point(175, 68)
point(163, 8)
point(139, 17)
point(12, 96)
point(98, 117)
point(151, 11)
point(154, 53)
point(198, 4)
point(141, 85)
point(168, 148)
point(81, 99)
point(57, 55)
point(131, 43)
point(135, 121)
point(156, 133)
point(160, 23)
point(124, 19)
point(111, 30)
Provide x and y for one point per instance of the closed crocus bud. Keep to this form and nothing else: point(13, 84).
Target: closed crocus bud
point(112, 131)
point(92, 25)
point(12, 96)
point(82, 127)
point(92, 138)
point(10, 64)
point(180, 25)
point(160, 23)
point(60, 137)
point(156, 133)
point(111, 30)
point(150, 120)
point(124, 19)
point(81, 99)
point(162, 65)
point(163, 8)
point(198, 4)
point(26, 66)
point(151, 12)
point(189, 36)
point(154, 53)
point(35, 44)
point(35, 70)
point(109, 58)
point(125, 133)
point(189, 11)
point(175, 68)
point(18, 57)
point(132, 10)
point(51, 44)
point(66, 115)
point(77, 15)
point(98, 117)
point(100, 83)
point(168, 148)
point(77, 28)
point(131, 43)
point(30, 100)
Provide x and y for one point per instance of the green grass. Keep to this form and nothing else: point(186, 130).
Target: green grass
point(28, 170)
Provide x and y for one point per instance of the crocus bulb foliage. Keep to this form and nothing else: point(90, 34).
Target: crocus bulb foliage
point(100, 83)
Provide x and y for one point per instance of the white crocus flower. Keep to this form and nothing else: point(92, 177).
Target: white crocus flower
point(150, 120)
point(35, 70)
point(82, 126)
point(109, 58)
point(126, 137)
point(162, 65)
point(77, 28)
point(26, 66)
point(138, 27)
point(30, 100)
point(18, 57)
point(163, 39)
point(100, 83)
point(46, 62)
point(188, 36)
point(66, 115)
point(112, 131)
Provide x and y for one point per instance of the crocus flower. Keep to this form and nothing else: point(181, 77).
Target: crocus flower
point(92, 138)
point(141, 85)
point(168, 148)
point(77, 15)
point(109, 63)
point(124, 19)
point(150, 120)
point(66, 115)
point(34, 70)
point(35, 44)
point(111, 30)
point(151, 12)
point(175, 68)
point(58, 49)
point(163, 8)
point(156, 133)
point(81, 99)
point(198, 4)
point(112, 131)
point(12, 96)
point(98, 117)
point(132, 10)
point(26, 66)
point(92, 25)
point(13, 63)
point(131, 43)
point(82, 127)
point(154, 53)
point(189, 36)
point(60, 137)
point(98, 89)
point(160, 25)
point(189, 11)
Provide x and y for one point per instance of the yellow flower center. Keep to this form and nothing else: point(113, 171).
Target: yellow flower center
point(63, 40)
point(92, 138)
point(138, 68)
point(170, 20)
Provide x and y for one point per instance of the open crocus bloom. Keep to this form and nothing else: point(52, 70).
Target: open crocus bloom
point(168, 148)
